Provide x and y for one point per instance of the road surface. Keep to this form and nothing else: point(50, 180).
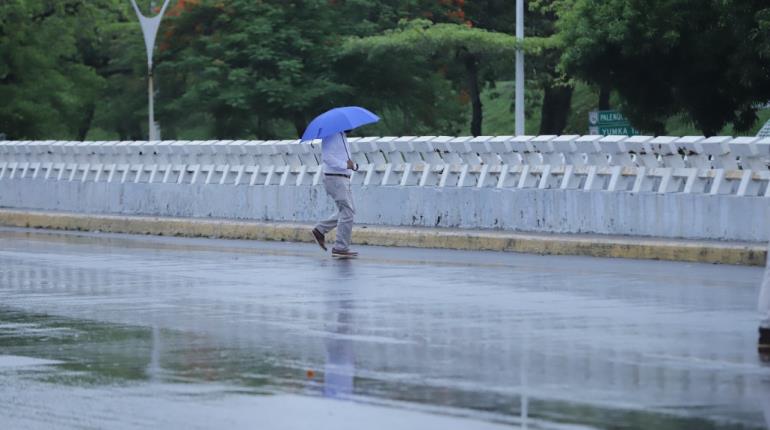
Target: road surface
point(112, 331)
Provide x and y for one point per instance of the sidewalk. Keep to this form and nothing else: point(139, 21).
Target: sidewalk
point(742, 253)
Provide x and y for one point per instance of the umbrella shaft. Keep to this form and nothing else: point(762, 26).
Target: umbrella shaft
point(345, 144)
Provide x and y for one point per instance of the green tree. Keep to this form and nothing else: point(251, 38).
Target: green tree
point(543, 76)
point(544, 71)
point(122, 108)
point(109, 43)
point(706, 59)
point(248, 65)
point(47, 86)
point(450, 44)
point(251, 68)
point(414, 96)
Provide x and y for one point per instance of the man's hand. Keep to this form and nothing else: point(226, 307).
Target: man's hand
point(352, 166)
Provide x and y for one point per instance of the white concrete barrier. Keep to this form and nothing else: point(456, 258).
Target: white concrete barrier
point(664, 164)
point(626, 172)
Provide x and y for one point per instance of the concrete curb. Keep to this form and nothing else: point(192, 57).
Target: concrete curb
point(741, 253)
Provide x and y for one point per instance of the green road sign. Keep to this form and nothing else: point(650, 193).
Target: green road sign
point(609, 122)
point(612, 131)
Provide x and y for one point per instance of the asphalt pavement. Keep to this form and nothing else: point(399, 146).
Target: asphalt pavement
point(117, 331)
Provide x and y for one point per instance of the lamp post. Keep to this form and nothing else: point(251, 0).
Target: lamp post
point(519, 69)
point(150, 27)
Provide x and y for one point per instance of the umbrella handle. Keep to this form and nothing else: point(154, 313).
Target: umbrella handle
point(347, 151)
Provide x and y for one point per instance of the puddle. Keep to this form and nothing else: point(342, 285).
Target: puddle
point(16, 361)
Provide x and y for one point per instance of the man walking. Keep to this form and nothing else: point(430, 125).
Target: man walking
point(337, 169)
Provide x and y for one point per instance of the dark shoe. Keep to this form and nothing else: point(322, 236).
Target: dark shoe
point(339, 253)
point(319, 239)
point(764, 340)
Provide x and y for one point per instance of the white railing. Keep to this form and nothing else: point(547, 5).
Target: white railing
point(690, 164)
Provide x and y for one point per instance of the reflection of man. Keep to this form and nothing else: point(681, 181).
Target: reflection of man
point(764, 309)
point(340, 367)
point(340, 364)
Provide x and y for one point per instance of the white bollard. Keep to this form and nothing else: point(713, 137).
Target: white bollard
point(639, 164)
point(764, 295)
point(764, 310)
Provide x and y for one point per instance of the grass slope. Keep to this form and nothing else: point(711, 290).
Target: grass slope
point(499, 117)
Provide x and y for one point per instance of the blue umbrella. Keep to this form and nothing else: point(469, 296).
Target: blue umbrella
point(337, 120)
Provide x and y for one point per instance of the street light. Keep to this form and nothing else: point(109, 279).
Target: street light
point(519, 68)
point(150, 27)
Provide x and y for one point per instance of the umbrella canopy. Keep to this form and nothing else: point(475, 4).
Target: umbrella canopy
point(337, 120)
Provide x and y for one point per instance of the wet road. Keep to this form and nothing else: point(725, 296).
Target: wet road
point(109, 331)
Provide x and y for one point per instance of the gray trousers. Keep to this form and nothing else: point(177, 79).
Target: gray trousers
point(338, 188)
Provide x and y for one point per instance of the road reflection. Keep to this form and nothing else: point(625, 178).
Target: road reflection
point(643, 345)
point(340, 361)
point(339, 370)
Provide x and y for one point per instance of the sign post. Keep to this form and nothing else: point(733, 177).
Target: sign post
point(150, 27)
point(609, 122)
point(519, 104)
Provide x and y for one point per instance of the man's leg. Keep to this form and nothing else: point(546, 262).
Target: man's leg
point(332, 190)
point(346, 213)
point(328, 224)
point(323, 227)
point(344, 226)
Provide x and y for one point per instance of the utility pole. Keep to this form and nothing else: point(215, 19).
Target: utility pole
point(519, 69)
point(150, 27)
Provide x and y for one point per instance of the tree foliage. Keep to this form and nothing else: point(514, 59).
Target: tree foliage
point(245, 68)
point(706, 59)
point(472, 49)
point(46, 83)
point(248, 64)
point(422, 37)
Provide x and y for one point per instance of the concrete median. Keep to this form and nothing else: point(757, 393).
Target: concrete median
point(701, 251)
